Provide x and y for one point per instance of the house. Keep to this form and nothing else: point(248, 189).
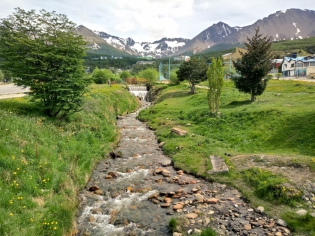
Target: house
point(298, 66)
point(182, 58)
point(234, 56)
point(276, 63)
point(144, 62)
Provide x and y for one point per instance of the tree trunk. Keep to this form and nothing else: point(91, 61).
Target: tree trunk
point(192, 88)
point(252, 99)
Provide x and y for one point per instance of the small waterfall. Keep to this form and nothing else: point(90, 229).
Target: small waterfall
point(138, 90)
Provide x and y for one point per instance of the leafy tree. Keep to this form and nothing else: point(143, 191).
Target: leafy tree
point(215, 76)
point(125, 74)
point(254, 65)
point(194, 70)
point(101, 76)
point(150, 74)
point(1, 76)
point(42, 50)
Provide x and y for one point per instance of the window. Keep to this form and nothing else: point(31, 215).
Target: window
point(292, 65)
point(305, 64)
point(312, 63)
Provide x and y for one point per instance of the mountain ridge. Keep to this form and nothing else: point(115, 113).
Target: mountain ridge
point(282, 25)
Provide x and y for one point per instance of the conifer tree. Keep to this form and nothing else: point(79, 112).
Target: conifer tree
point(254, 65)
point(215, 76)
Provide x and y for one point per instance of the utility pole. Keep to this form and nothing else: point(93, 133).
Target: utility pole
point(169, 68)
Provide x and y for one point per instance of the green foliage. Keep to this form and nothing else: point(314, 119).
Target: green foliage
point(300, 224)
point(271, 187)
point(254, 65)
point(289, 46)
point(278, 75)
point(150, 74)
point(42, 50)
point(1, 76)
point(172, 224)
point(194, 70)
point(45, 162)
point(215, 76)
point(137, 68)
point(125, 74)
point(174, 79)
point(101, 76)
point(208, 232)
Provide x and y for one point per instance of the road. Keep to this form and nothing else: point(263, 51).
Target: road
point(11, 91)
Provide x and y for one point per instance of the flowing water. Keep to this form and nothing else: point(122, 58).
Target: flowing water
point(123, 204)
point(138, 90)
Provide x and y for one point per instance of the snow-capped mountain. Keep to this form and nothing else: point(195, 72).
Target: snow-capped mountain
point(282, 25)
point(160, 48)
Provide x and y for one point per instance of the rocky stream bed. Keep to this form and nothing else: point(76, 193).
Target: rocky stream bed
point(137, 192)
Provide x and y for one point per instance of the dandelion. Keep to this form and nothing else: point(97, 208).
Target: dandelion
point(13, 157)
point(55, 228)
point(14, 173)
point(11, 214)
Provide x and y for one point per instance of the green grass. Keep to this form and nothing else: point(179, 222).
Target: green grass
point(45, 162)
point(280, 123)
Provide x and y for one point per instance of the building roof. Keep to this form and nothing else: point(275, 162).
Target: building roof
point(301, 59)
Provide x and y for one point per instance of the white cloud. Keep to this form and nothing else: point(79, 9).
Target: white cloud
point(125, 27)
point(149, 20)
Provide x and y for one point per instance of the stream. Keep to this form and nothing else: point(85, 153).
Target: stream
point(136, 191)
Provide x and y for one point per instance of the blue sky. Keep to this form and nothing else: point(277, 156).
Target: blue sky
point(149, 20)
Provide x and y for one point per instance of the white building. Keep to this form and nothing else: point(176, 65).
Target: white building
point(298, 66)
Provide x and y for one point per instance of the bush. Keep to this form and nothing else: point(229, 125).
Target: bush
point(208, 232)
point(271, 187)
point(172, 224)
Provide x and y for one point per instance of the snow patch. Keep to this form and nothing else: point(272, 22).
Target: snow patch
point(297, 31)
point(300, 37)
point(277, 35)
point(294, 24)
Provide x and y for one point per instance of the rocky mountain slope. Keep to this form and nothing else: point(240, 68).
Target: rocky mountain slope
point(282, 25)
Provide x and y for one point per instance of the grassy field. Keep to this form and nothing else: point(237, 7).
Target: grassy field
point(45, 162)
point(280, 125)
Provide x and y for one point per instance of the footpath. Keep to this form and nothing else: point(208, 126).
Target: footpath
point(136, 191)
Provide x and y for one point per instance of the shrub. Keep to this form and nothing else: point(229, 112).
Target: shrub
point(271, 187)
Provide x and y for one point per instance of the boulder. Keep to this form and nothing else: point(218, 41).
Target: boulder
point(260, 209)
point(93, 188)
point(301, 212)
point(282, 223)
point(191, 215)
point(98, 192)
point(212, 200)
point(113, 174)
point(179, 131)
point(166, 173)
point(178, 206)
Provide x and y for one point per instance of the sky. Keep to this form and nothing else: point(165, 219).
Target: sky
point(150, 20)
